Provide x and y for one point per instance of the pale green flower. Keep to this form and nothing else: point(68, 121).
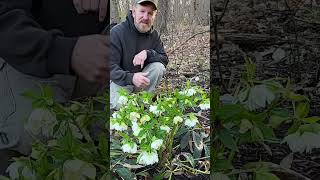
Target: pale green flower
point(165, 128)
point(191, 121)
point(118, 126)
point(156, 144)
point(144, 119)
point(204, 106)
point(129, 148)
point(177, 119)
point(123, 100)
point(147, 158)
point(134, 116)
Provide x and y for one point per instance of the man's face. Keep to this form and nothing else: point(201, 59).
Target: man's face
point(144, 16)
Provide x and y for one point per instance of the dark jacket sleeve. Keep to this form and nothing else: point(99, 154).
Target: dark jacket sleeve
point(157, 54)
point(29, 48)
point(118, 75)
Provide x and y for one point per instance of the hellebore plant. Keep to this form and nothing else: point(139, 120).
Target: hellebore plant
point(147, 128)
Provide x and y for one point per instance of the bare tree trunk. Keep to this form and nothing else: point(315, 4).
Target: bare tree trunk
point(115, 15)
point(162, 16)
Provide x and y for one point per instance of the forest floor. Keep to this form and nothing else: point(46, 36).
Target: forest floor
point(283, 40)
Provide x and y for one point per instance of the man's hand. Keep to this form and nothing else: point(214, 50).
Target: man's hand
point(83, 6)
point(140, 58)
point(90, 58)
point(140, 79)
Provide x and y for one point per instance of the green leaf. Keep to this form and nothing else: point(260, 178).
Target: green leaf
point(103, 146)
point(47, 92)
point(222, 165)
point(198, 141)
point(302, 109)
point(267, 132)
point(275, 120)
point(296, 97)
point(230, 112)
point(313, 127)
point(256, 134)
point(243, 94)
point(125, 173)
point(245, 126)
point(185, 140)
point(189, 158)
point(262, 175)
point(295, 126)
point(227, 140)
point(206, 150)
point(286, 162)
point(4, 178)
point(313, 119)
point(30, 94)
point(219, 176)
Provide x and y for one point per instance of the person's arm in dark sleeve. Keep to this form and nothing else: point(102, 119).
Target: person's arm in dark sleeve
point(118, 75)
point(157, 54)
point(29, 48)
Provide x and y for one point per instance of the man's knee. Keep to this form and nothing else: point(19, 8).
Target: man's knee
point(156, 69)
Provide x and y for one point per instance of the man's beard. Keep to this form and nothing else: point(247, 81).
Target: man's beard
point(143, 27)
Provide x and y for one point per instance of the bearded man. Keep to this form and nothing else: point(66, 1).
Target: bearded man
point(138, 58)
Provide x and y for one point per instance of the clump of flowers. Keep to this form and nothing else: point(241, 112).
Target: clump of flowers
point(147, 127)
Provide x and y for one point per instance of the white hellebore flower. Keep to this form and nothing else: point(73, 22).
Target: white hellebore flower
point(156, 144)
point(165, 128)
point(191, 92)
point(134, 116)
point(154, 110)
point(135, 128)
point(118, 126)
point(191, 121)
point(147, 158)
point(116, 115)
point(144, 119)
point(41, 121)
point(177, 119)
point(129, 148)
point(205, 106)
point(123, 100)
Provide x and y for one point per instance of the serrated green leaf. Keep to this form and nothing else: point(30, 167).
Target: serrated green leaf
point(221, 165)
point(103, 146)
point(294, 127)
point(267, 132)
point(275, 120)
point(313, 119)
point(296, 97)
point(256, 134)
point(125, 173)
point(287, 161)
point(227, 140)
point(302, 109)
point(198, 140)
point(230, 112)
point(185, 140)
point(189, 158)
point(262, 175)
